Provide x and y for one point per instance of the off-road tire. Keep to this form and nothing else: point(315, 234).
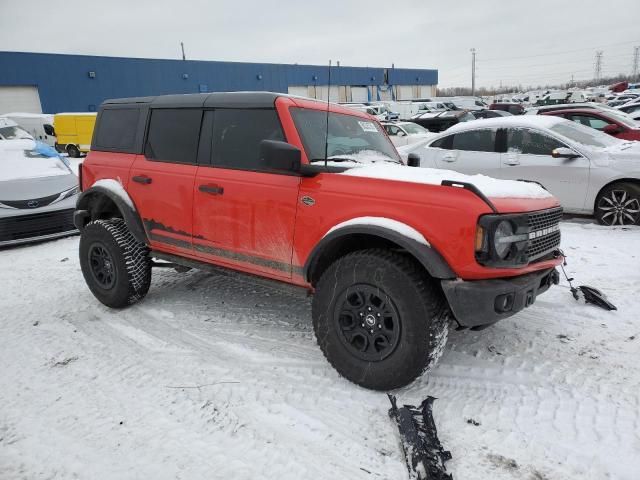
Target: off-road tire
point(73, 151)
point(418, 300)
point(624, 194)
point(129, 259)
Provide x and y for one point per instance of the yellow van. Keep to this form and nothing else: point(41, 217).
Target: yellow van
point(74, 132)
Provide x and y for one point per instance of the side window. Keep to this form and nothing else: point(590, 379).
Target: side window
point(475, 141)
point(529, 142)
point(117, 129)
point(237, 134)
point(444, 143)
point(392, 129)
point(173, 135)
point(590, 121)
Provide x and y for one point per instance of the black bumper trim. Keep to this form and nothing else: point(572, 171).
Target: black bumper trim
point(483, 302)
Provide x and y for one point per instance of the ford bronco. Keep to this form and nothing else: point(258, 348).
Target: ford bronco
point(315, 195)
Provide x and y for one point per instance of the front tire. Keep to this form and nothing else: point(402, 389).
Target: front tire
point(379, 319)
point(116, 267)
point(619, 204)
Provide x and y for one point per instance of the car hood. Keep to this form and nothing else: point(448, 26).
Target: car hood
point(27, 189)
point(26, 159)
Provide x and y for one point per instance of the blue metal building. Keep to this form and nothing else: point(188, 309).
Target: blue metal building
point(53, 83)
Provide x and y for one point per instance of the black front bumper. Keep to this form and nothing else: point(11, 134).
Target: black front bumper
point(483, 302)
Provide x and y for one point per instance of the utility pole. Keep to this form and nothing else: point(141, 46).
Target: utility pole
point(182, 47)
point(598, 69)
point(473, 72)
point(636, 63)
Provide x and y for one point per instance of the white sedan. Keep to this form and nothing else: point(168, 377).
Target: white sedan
point(406, 133)
point(588, 171)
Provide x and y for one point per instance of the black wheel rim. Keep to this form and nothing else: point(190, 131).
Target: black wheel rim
point(367, 322)
point(619, 208)
point(102, 267)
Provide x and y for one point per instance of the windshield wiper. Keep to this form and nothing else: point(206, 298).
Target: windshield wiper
point(334, 159)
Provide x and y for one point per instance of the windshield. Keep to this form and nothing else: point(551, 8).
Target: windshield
point(584, 135)
point(414, 129)
point(348, 136)
point(13, 133)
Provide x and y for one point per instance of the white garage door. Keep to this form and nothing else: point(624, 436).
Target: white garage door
point(405, 92)
point(359, 94)
point(20, 99)
point(299, 91)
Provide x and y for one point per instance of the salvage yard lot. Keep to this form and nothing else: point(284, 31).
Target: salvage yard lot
point(215, 376)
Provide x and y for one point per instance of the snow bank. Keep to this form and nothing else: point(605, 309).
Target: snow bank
point(491, 187)
point(23, 159)
point(115, 187)
point(401, 228)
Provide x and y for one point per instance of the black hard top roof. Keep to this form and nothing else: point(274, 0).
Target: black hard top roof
point(217, 99)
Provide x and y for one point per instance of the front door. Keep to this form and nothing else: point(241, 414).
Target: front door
point(528, 157)
point(161, 180)
point(244, 216)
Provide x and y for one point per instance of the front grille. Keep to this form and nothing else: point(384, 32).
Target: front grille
point(31, 203)
point(36, 225)
point(544, 236)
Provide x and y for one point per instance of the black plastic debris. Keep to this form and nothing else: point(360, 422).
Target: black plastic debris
point(423, 452)
point(596, 297)
point(591, 295)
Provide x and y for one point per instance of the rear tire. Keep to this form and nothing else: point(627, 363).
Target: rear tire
point(618, 204)
point(73, 151)
point(404, 313)
point(116, 267)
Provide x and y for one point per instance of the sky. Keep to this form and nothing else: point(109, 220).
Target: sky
point(517, 42)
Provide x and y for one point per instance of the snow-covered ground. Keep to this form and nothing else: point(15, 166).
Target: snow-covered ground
point(217, 377)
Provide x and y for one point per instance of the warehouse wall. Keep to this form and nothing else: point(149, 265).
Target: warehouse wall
point(81, 83)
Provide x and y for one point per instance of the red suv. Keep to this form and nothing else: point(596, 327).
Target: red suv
point(313, 195)
point(617, 125)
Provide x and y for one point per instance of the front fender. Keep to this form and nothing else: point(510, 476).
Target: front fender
point(428, 257)
point(96, 200)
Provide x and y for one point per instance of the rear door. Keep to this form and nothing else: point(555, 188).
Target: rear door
point(161, 181)
point(244, 216)
point(528, 157)
point(470, 152)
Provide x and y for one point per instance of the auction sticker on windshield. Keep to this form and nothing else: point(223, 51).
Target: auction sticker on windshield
point(368, 127)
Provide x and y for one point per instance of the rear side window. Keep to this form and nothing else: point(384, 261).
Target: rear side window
point(173, 135)
point(475, 141)
point(117, 129)
point(237, 134)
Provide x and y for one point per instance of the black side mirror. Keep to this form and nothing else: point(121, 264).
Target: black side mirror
point(280, 156)
point(413, 160)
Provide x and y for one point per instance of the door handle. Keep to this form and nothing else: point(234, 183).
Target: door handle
point(143, 179)
point(512, 162)
point(211, 189)
point(449, 158)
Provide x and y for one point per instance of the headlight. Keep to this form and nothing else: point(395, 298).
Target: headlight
point(502, 240)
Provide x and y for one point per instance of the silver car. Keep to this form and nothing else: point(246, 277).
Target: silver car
point(38, 193)
point(588, 171)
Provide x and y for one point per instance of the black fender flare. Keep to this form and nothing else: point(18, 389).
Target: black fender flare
point(428, 257)
point(86, 210)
